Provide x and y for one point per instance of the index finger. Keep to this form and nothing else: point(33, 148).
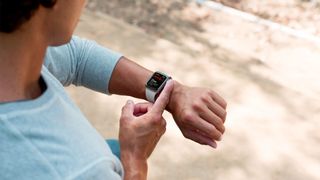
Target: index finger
point(160, 105)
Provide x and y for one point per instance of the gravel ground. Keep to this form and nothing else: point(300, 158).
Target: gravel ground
point(298, 14)
point(161, 18)
point(270, 80)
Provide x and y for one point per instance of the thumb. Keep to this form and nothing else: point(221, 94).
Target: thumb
point(160, 105)
point(127, 110)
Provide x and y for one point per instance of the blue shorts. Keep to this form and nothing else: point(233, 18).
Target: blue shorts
point(114, 146)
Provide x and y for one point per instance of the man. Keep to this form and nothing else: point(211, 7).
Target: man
point(43, 135)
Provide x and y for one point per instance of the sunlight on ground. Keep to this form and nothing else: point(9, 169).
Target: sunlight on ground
point(271, 126)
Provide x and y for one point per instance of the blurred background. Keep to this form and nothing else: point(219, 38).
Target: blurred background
point(263, 57)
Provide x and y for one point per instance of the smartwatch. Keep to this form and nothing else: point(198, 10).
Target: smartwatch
point(155, 85)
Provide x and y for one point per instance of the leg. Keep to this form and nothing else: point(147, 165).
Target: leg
point(114, 146)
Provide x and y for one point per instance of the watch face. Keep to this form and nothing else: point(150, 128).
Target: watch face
point(156, 81)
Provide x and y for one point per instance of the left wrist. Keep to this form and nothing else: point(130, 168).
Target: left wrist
point(176, 92)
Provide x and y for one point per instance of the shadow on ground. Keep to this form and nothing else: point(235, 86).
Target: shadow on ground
point(271, 126)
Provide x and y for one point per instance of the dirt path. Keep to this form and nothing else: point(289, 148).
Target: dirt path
point(271, 82)
point(298, 14)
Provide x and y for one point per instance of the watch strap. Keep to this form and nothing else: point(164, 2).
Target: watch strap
point(150, 95)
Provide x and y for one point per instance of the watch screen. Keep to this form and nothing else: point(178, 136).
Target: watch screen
point(156, 81)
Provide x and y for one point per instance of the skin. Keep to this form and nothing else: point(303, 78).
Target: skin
point(22, 52)
point(199, 112)
point(141, 126)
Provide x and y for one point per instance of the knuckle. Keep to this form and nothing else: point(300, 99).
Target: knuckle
point(209, 92)
point(212, 93)
point(154, 122)
point(123, 108)
point(205, 98)
point(197, 106)
point(187, 116)
point(215, 134)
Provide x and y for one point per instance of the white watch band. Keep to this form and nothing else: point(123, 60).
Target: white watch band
point(155, 85)
point(150, 95)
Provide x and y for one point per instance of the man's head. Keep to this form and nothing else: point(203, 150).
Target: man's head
point(54, 19)
point(13, 13)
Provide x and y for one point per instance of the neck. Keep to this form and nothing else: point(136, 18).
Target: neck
point(21, 59)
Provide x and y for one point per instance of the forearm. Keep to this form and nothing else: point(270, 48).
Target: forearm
point(129, 78)
point(134, 169)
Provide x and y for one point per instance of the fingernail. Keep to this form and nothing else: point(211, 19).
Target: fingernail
point(212, 144)
point(129, 102)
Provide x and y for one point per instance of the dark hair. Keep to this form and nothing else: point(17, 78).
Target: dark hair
point(13, 13)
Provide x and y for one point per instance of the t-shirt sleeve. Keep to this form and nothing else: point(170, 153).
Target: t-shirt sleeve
point(83, 63)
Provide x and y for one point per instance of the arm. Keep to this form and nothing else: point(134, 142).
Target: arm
point(83, 63)
point(199, 112)
point(129, 78)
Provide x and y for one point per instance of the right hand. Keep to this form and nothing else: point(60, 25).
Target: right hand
point(141, 126)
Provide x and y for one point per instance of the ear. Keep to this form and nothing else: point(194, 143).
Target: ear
point(48, 3)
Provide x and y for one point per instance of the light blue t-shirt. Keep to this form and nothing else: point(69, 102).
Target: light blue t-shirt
point(48, 138)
